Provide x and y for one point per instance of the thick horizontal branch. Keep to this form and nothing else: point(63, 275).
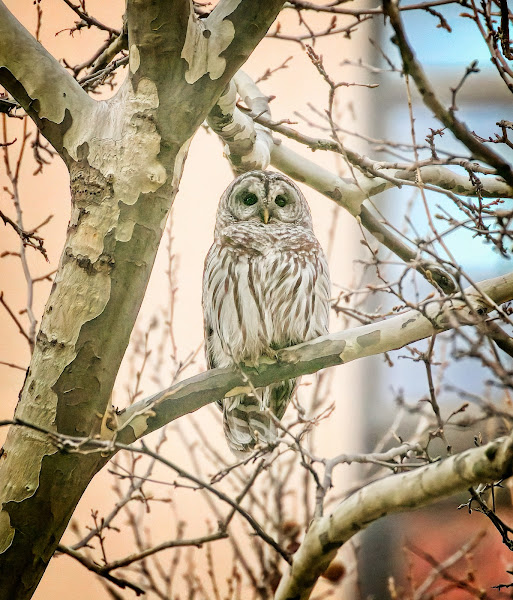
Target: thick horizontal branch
point(447, 179)
point(397, 493)
point(337, 348)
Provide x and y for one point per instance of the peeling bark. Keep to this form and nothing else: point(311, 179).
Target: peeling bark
point(40, 84)
point(121, 197)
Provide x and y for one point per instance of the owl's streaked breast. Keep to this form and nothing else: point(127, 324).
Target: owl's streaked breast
point(265, 288)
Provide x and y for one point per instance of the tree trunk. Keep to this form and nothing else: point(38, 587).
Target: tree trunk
point(125, 157)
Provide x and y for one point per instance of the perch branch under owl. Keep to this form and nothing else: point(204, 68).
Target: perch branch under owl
point(435, 315)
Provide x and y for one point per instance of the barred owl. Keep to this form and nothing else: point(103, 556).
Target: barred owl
point(265, 286)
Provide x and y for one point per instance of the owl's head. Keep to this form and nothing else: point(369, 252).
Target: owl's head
point(265, 198)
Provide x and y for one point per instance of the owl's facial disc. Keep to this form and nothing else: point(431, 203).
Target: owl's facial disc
point(268, 199)
point(284, 202)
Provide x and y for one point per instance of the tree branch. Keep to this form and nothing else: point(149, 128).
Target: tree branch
point(394, 174)
point(33, 76)
point(90, 20)
point(192, 57)
point(342, 347)
point(248, 146)
point(128, 560)
point(358, 12)
point(447, 117)
point(90, 564)
point(397, 493)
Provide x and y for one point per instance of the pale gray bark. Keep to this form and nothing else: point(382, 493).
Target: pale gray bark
point(39, 83)
point(396, 493)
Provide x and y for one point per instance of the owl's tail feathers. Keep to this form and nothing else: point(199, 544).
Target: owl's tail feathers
point(246, 425)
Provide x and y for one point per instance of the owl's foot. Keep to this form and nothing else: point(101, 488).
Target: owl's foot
point(270, 356)
point(250, 363)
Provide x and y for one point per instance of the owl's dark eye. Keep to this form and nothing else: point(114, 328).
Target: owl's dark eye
point(280, 201)
point(249, 199)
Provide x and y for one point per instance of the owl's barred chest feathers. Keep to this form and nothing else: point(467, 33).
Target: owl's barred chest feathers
point(259, 239)
point(265, 290)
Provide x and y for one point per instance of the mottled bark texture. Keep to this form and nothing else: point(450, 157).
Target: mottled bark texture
point(125, 157)
point(397, 493)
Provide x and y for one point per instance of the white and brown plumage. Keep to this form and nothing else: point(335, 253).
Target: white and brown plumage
point(265, 286)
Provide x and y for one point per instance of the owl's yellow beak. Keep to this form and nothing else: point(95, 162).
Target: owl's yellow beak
point(265, 215)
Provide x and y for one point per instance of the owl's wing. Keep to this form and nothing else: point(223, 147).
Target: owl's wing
point(208, 276)
point(208, 333)
point(320, 304)
point(212, 272)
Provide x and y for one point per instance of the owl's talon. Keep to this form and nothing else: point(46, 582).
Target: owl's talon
point(250, 364)
point(268, 358)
